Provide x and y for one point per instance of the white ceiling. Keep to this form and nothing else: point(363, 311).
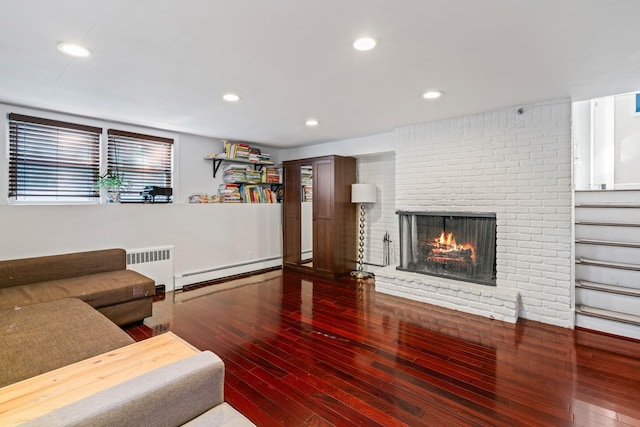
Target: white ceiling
point(166, 63)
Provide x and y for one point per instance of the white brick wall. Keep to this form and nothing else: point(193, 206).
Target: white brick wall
point(488, 301)
point(516, 165)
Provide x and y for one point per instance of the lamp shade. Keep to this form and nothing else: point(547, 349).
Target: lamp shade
point(363, 193)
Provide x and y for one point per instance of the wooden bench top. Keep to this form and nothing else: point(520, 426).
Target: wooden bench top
point(36, 396)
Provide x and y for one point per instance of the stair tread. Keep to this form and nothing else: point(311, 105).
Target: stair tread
point(608, 314)
point(607, 206)
point(608, 224)
point(607, 243)
point(604, 287)
point(609, 264)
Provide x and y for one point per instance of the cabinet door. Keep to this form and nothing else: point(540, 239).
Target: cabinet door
point(323, 262)
point(291, 214)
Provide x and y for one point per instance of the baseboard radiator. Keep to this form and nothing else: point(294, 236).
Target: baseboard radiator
point(223, 271)
point(156, 263)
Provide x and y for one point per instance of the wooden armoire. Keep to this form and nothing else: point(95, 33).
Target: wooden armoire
point(318, 213)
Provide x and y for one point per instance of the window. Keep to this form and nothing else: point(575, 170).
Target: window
point(52, 161)
point(142, 160)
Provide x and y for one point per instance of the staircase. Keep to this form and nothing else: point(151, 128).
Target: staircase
point(607, 253)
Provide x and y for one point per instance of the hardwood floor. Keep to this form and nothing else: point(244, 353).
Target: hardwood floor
point(305, 351)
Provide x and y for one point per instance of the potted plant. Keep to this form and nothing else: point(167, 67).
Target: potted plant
point(112, 184)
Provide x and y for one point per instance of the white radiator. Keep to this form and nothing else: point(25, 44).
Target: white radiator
point(156, 263)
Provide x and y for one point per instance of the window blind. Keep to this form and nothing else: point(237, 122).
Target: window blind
point(142, 160)
point(50, 160)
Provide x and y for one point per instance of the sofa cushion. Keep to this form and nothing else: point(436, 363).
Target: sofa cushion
point(98, 290)
point(41, 337)
point(23, 271)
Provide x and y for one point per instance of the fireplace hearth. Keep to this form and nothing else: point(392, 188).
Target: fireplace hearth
point(456, 245)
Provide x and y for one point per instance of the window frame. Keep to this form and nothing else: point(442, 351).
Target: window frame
point(158, 169)
point(46, 139)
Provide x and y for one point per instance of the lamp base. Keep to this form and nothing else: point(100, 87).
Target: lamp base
point(360, 274)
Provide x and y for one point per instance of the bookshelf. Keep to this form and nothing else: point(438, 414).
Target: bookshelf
point(241, 153)
point(241, 183)
point(217, 161)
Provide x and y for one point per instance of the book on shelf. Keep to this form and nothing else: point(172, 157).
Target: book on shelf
point(270, 175)
point(234, 173)
point(236, 150)
point(230, 193)
point(307, 193)
point(241, 151)
point(253, 176)
point(306, 176)
point(246, 193)
point(257, 194)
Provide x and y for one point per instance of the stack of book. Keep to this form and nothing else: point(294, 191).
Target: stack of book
point(306, 176)
point(254, 155)
point(230, 193)
point(242, 151)
point(234, 173)
point(270, 175)
point(257, 156)
point(307, 195)
point(236, 150)
point(252, 176)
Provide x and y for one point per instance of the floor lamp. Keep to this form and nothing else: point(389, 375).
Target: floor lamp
point(363, 194)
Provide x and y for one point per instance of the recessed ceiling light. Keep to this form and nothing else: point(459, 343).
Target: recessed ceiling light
point(231, 97)
point(364, 43)
point(74, 50)
point(311, 122)
point(432, 94)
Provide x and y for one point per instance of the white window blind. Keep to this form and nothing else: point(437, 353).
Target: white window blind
point(142, 160)
point(52, 161)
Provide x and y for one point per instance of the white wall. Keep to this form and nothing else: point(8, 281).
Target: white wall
point(581, 139)
point(380, 169)
point(602, 143)
point(627, 142)
point(363, 146)
point(606, 139)
point(205, 237)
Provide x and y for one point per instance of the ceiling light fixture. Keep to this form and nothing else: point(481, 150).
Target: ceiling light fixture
point(231, 97)
point(364, 43)
point(432, 94)
point(311, 122)
point(74, 50)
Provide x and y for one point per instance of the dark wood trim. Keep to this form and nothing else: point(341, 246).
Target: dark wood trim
point(55, 123)
point(126, 134)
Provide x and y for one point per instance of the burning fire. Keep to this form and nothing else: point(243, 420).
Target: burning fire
point(446, 244)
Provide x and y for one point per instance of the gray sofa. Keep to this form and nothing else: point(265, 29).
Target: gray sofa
point(188, 392)
point(100, 278)
point(61, 309)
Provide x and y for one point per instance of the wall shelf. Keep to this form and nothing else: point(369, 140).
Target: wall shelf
point(217, 161)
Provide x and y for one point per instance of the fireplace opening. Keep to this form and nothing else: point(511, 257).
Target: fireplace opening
point(454, 245)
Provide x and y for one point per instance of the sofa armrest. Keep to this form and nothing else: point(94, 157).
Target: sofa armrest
point(168, 396)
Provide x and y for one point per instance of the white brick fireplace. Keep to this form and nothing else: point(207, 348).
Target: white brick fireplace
point(516, 163)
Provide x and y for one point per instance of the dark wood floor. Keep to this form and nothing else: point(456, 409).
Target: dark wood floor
point(303, 351)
